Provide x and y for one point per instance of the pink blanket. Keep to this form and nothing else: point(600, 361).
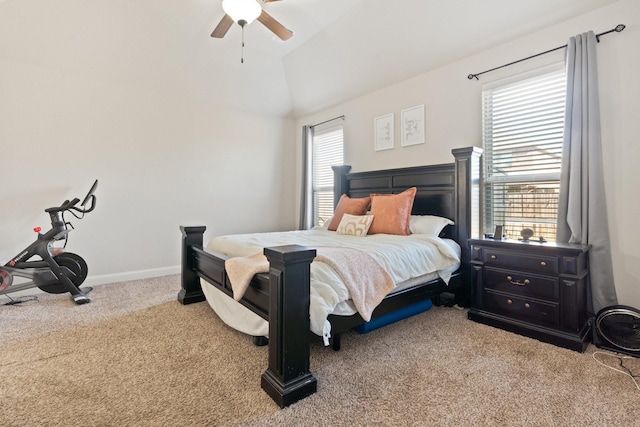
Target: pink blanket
point(367, 281)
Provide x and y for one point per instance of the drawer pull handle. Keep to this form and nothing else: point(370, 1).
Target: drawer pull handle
point(542, 263)
point(494, 257)
point(517, 282)
point(509, 301)
point(526, 305)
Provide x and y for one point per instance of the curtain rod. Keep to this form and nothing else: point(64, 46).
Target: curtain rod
point(327, 121)
point(617, 29)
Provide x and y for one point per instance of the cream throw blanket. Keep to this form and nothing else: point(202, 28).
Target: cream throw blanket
point(367, 281)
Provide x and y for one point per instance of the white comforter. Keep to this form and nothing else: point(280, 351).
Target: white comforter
point(403, 257)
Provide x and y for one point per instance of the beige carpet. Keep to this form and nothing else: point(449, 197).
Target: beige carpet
point(136, 357)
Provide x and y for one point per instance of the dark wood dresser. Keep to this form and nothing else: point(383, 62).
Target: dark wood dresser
point(534, 289)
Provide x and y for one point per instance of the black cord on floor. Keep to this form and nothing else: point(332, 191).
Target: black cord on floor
point(20, 300)
point(622, 368)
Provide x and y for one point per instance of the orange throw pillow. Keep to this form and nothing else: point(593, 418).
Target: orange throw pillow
point(347, 205)
point(392, 212)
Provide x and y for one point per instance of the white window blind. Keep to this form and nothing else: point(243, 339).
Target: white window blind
point(327, 152)
point(523, 121)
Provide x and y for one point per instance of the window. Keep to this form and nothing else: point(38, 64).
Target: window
point(327, 151)
point(523, 122)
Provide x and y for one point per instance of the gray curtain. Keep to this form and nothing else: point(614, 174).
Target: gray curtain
point(582, 210)
point(306, 204)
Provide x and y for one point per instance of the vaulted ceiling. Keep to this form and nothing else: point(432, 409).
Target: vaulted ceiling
point(340, 48)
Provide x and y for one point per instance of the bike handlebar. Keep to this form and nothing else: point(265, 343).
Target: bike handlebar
point(70, 204)
point(92, 207)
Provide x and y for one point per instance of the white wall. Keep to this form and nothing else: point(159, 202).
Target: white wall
point(452, 109)
point(163, 158)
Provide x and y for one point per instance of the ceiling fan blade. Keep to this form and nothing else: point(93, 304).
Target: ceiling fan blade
point(223, 26)
point(276, 28)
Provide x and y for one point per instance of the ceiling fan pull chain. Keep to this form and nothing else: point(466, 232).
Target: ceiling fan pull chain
point(242, 48)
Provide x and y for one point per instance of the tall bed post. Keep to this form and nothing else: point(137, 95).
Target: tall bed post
point(191, 290)
point(340, 182)
point(288, 379)
point(467, 184)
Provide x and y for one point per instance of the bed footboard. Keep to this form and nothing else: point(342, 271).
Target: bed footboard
point(287, 378)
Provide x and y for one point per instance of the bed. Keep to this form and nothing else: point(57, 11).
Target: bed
point(281, 296)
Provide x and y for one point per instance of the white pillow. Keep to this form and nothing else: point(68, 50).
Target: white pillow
point(324, 226)
point(428, 224)
point(355, 225)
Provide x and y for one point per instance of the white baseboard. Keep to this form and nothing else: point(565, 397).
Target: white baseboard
point(131, 275)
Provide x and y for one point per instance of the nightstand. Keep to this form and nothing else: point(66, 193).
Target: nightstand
point(534, 289)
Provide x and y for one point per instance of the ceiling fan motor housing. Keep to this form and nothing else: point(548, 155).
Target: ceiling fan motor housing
point(617, 328)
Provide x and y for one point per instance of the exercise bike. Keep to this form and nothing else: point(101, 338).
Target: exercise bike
point(56, 271)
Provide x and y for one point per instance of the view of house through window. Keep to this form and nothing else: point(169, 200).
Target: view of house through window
point(327, 151)
point(523, 120)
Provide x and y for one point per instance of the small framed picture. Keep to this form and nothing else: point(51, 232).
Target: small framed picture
point(413, 126)
point(383, 132)
point(497, 235)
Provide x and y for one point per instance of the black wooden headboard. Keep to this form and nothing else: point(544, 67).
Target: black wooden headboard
point(450, 190)
point(435, 186)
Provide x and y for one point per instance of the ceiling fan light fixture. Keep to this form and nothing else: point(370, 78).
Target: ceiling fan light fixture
point(242, 10)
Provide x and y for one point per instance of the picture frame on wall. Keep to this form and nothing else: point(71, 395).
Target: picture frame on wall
point(412, 122)
point(383, 132)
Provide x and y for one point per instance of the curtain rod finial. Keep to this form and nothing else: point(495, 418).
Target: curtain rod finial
point(620, 27)
point(471, 76)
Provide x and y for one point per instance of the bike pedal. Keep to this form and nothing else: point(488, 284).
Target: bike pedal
point(80, 299)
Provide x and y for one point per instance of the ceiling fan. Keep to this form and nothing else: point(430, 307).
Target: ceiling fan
point(245, 12)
